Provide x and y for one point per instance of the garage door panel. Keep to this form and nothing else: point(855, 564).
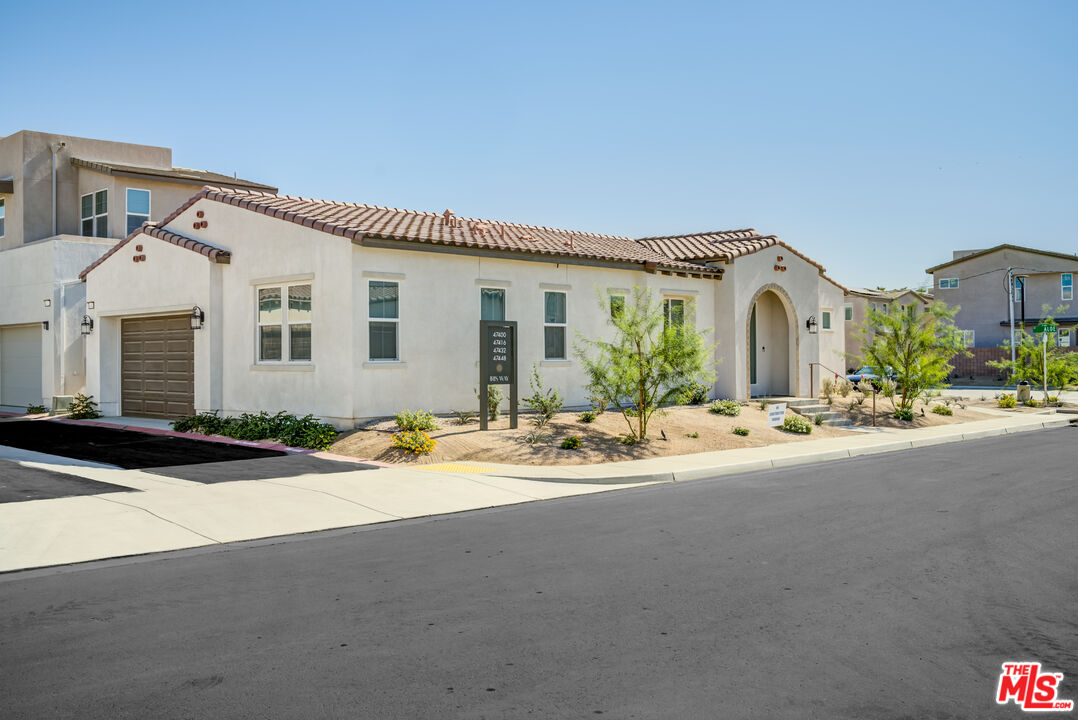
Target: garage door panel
point(158, 366)
point(20, 365)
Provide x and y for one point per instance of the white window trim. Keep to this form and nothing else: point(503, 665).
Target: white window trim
point(149, 204)
point(505, 299)
point(93, 212)
point(286, 336)
point(948, 286)
point(565, 325)
point(667, 305)
point(847, 312)
point(830, 319)
point(1063, 289)
point(610, 303)
point(397, 335)
point(969, 337)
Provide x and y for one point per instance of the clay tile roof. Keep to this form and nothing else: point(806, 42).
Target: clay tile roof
point(219, 255)
point(175, 174)
point(358, 221)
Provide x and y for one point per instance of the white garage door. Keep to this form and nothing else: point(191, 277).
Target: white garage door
point(20, 365)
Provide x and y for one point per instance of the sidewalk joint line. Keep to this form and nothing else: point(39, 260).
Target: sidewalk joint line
point(171, 522)
point(338, 497)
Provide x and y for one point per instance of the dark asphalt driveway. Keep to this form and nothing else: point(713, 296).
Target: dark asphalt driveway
point(890, 586)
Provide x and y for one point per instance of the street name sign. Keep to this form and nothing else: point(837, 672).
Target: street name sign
point(1045, 328)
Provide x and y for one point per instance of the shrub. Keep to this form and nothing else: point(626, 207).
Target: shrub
point(587, 416)
point(827, 387)
point(418, 420)
point(1032, 402)
point(305, 432)
point(693, 394)
point(726, 407)
point(742, 431)
point(943, 410)
point(416, 442)
point(796, 424)
point(1053, 399)
point(692, 435)
point(627, 439)
point(570, 443)
point(546, 402)
point(762, 404)
point(535, 436)
point(494, 401)
point(36, 409)
point(465, 416)
point(843, 387)
point(83, 407)
point(817, 419)
point(901, 414)
point(1006, 400)
point(598, 403)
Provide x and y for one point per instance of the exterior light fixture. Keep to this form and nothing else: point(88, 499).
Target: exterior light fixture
point(811, 324)
point(89, 304)
point(44, 324)
point(48, 302)
point(87, 325)
point(197, 318)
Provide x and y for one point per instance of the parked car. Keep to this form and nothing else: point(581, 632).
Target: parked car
point(871, 376)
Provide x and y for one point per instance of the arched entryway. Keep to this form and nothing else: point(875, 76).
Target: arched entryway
point(771, 344)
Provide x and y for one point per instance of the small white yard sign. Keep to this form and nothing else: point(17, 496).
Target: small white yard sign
point(775, 414)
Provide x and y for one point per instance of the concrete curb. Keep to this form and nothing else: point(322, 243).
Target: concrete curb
point(795, 460)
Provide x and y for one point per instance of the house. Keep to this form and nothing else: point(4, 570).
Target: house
point(858, 303)
point(64, 201)
point(977, 282)
point(244, 300)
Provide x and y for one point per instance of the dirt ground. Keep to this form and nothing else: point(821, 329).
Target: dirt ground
point(599, 439)
point(922, 413)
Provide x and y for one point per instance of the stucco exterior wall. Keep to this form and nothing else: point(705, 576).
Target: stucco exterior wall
point(982, 290)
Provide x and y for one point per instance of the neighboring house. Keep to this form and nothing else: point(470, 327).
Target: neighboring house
point(64, 201)
point(252, 301)
point(858, 303)
point(977, 282)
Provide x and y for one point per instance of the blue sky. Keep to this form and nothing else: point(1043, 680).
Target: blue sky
point(874, 137)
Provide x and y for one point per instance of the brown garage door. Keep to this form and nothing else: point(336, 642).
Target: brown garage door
point(158, 369)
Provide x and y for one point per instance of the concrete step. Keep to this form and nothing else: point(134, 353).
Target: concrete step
point(826, 416)
point(811, 409)
point(838, 422)
point(794, 403)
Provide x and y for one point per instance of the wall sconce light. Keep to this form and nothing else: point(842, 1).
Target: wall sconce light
point(197, 318)
point(87, 325)
point(89, 304)
point(811, 324)
point(44, 324)
point(48, 302)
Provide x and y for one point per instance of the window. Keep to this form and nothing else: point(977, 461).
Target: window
point(138, 209)
point(554, 326)
point(674, 310)
point(849, 312)
point(284, 334)
point(95, 214)
point(1, 217)
point(491, 304)
point(873, 307)
point(1019, 288)
point(968, 337)
point(384, 314)
point(948, 283)
point(1064, 337)
point(1066, 284)
point(617, 305)
point(825, 319)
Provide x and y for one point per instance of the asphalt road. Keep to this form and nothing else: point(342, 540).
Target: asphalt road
point(891, 586)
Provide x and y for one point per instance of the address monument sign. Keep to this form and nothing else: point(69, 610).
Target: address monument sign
point(497, 364)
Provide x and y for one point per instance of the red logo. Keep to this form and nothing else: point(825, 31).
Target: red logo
point(1030, 689)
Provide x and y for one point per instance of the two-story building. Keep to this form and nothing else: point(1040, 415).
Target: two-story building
point(859, 301)
point(64, 201)
point(242, 300)
point(991, 286)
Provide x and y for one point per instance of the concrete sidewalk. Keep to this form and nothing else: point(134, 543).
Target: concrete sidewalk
point(171, 514)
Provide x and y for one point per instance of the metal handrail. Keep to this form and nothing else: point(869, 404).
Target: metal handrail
point(837, 374)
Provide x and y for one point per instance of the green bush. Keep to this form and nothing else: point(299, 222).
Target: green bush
point(692, 435)
point(942, 410)
point(1032, 402)
point(1006, 401)
point(627, 439)
point(305, 432)
point(83, 407)
point(546, 402)
point(416, 442)
point(693, 394)
point(36, 409)
point(418, 420)
point(1053, 399)
point(587, 416)
point(494, 401)
point(465, 416)
point(901, 414)
point(570, 443)
point(742, 431)
point(726, 407)
point(817, 419)
point(797, 424)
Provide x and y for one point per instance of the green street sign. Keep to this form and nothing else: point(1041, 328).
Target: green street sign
point(1045, 328)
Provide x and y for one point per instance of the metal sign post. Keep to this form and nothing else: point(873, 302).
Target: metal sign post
point(1045, 329)
point(497, 365)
